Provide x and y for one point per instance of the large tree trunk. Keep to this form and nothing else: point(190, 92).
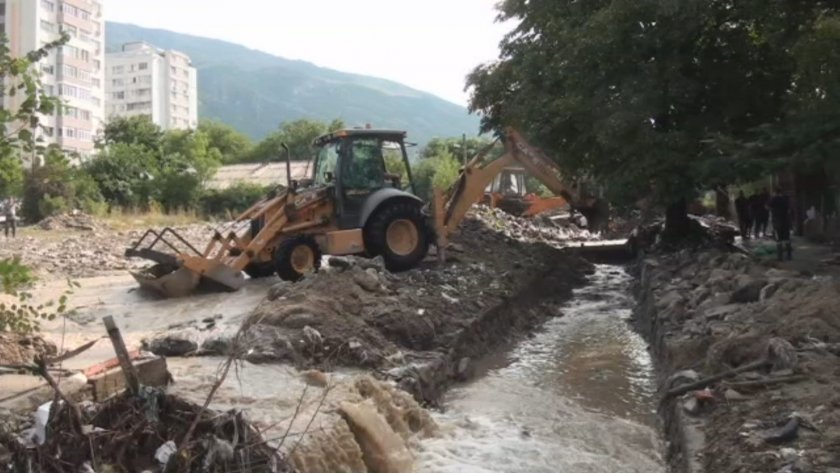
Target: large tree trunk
point(677, 223)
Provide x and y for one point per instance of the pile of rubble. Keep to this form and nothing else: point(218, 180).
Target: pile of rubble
point(72, 221)
point(551, 229)
point(150, 432)
point(754, 351)
point(85, 253)
point(20, 349)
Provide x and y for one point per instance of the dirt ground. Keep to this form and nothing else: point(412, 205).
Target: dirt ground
point(710, 312)
point(81, 247)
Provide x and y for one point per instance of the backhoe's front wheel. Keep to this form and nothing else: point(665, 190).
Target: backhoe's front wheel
point(296, 257)
point(398, 233)
point(260, 270)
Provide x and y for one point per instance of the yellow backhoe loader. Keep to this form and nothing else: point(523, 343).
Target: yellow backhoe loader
point(350, 205)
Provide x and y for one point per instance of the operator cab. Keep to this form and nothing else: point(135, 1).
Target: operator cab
point(358, 164)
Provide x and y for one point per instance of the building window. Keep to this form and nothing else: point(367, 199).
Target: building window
point(69, 29)
point(47, 26)
point(118, 82)
point(47, 69)
point(97, 64)
point(118, 69)
point(145, 79)
point(84, 115)
point(49, 90)
point(68, 90)
point(119, 95)
point(70, 132)
point(69, 71)
point(47, 5)
point(48, 130)
point(143, 66)
point(96, 82)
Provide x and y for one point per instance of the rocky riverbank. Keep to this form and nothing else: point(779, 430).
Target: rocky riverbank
point(749, 358)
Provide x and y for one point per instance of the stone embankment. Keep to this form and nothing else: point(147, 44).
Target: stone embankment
point(749, 361)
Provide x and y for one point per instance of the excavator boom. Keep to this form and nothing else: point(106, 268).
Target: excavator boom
point(450, 207)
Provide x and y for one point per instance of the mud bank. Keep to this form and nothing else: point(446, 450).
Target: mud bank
point(707, 313)
point(421, 328)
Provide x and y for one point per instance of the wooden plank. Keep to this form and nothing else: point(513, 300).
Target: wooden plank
point(128, 370)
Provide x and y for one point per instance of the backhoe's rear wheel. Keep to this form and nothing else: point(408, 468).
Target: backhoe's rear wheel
point(296, 257)
point(398, 233)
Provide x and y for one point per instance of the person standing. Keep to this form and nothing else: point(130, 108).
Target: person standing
point(742, 208)
point(780, 211)
point(10, 212)
point(755, 213)
point(763, 217)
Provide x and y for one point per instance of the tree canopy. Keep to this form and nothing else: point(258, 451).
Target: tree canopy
point(297, 135)
point(661, 98)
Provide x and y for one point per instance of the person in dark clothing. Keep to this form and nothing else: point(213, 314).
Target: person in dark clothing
point(742, 208)
point(759, 213)
point(780, 211)
point(755, 209)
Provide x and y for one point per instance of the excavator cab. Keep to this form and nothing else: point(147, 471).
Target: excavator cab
point(352, 204)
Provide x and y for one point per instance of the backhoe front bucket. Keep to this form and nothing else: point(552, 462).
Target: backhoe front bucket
point(167, 281)
point(178, 273)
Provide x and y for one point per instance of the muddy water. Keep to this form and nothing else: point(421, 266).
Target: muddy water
point(576, 397)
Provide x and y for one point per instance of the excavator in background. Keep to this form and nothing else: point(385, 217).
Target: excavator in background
point(350, 205)
point(508, 192)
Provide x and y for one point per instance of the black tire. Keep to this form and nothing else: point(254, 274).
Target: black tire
point(260, 270)
point(376, 231)
point(283, 262)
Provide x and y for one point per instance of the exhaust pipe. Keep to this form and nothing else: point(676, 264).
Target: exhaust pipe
point(288, 166)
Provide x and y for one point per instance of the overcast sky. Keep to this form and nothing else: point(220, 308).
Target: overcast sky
point(427, 44)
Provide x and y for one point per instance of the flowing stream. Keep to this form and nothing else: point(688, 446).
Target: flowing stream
point(576, 397)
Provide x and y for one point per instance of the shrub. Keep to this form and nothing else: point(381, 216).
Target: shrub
point(23, 316)
point(52, 206)
point(231, 201)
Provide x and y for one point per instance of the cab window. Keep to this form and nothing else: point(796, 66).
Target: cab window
point(325, 165)
point(365, 169)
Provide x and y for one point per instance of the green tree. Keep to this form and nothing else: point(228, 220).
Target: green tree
point(136, 130)
point(232, 145)
point(11, 175)
point(125, 174)
point(48, 186)
point(26, 102)
point(455, 146)
point(297, 135)
point(439, 171)
point(631, 92)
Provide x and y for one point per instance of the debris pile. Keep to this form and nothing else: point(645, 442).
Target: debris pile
point(72, 221)
point(754, 350)
point(142, 433)
point(542, 228)
point(18, 349)
point(707, 231)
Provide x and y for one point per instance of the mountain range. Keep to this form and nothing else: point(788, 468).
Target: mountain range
point(254, 91)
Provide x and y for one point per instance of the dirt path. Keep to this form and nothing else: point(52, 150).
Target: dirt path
point(808, 258)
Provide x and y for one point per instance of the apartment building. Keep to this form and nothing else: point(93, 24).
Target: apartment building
point(74, 73)
point(144, 80)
